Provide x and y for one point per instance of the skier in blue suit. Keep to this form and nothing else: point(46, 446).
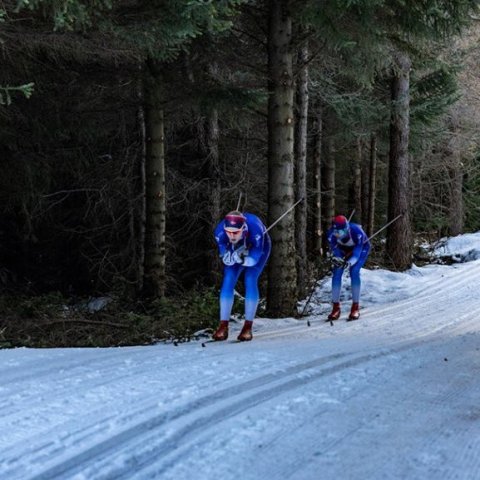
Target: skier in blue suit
point(350, 247)
point(244, 246)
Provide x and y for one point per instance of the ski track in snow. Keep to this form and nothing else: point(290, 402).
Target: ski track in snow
point(260, 396)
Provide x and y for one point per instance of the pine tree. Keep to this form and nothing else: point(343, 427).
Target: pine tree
point(282, 296)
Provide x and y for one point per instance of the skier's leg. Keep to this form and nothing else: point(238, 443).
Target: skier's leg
point(355, 275)
point(336, 288)
point(252, 295)
point(230, 278)
point(336, 284)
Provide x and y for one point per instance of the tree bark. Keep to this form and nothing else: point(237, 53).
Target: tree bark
point(357, 182)
point(372, 188)
point(282, 272)
point(456, 207)
point(142, 218)
point(399, 234)
point(317, 165)
point(301, 171)
point(155, 255)
point(212, 135)
point(365, 182)
point(328, 178)
point(208, 134)
point(456, 201)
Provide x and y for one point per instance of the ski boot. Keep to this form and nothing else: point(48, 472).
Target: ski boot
point(246, 333)
point(222, 331)
point(335, 314)
point(354, 312)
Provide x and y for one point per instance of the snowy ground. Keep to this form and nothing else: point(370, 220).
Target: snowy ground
point(392, 396)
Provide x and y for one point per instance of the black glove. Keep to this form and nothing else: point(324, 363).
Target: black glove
point(339, 262)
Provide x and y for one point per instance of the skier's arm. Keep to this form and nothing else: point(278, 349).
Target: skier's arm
point(332, 241)
point(221, 239)
point(256, 242)
point(255, 252)
point(358, 238)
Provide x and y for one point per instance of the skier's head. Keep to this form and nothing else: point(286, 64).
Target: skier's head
point(234, 225)
point(341, 227)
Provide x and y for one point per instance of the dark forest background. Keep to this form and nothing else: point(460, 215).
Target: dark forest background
point(129, 128)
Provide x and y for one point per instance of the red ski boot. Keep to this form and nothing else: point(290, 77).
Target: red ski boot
point(246, 333)
point(222, 331)
point(354, 312)
point(335, 315)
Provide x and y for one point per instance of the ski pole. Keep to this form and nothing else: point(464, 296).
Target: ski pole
point(318, 283)
point(281, 216)
point(383, 228)
point(239, 200)
point(308, 301)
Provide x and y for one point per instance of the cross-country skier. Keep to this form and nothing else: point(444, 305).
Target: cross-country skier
point(244, 246)
point(350, 248)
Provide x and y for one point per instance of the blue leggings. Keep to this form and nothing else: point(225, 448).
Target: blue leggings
point(354, 277)
point(230, 278)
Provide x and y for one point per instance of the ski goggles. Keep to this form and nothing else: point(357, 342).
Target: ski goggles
point(341, 232)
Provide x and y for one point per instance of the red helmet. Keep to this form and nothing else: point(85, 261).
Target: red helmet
point(339, 222)
point(234, 221)
point(341, 228)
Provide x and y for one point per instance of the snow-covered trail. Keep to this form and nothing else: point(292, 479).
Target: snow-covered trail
point(392, 396)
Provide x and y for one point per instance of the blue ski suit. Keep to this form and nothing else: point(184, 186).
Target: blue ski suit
point(258, 243)
point(355, 248)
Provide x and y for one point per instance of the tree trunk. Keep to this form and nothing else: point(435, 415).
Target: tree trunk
point(301, 171)
point(214, 188)
point(357, 182)
point(372, 188)
point(456, 209)
point(282, 272)
point(317, 165)
point(399, 235)
point(456, 201)
point(155, 278)
point(207, 131)
point(328, 178)
point(214, 164)
point(365, 184)
point(142, 210)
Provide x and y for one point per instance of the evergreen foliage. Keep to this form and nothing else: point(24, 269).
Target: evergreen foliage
point(7, 91)
point(432, 94)
point(71, 142)
point(67, 15)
